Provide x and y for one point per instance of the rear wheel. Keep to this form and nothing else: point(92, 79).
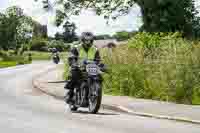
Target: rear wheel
point(95, 98)
point(56, 60)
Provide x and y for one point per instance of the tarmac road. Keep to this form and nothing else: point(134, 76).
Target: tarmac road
point(23, 109)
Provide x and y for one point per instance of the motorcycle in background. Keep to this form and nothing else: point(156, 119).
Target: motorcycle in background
point(56, 58)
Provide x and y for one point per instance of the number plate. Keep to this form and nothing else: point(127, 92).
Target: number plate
point(92, 69)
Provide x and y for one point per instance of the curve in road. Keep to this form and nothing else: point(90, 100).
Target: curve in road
point(26, 110)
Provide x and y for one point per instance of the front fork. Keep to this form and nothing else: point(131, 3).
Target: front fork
point(93, 81)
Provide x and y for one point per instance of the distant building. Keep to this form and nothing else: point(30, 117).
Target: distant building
point(104, 43)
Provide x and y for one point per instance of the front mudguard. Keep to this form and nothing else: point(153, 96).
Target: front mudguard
point(98, 79)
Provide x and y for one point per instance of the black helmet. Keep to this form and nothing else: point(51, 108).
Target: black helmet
point(54, 50)
point(87, 38)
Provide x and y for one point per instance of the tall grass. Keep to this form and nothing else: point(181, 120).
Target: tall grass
point(155, 66)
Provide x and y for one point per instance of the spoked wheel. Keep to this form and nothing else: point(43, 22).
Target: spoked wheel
point(95, 98)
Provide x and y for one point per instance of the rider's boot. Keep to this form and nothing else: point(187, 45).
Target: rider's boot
point(69, 95)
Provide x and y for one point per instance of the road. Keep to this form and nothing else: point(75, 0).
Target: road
point(24, 109)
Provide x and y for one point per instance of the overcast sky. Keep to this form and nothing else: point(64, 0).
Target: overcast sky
point(87, 21)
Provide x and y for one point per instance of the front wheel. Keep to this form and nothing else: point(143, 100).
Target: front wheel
point(56, 61)
point(95, 97)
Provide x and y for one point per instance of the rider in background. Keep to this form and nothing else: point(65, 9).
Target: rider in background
point(55, 52)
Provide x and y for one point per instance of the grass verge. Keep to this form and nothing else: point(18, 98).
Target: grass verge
point(36, 55)
point(4, 64)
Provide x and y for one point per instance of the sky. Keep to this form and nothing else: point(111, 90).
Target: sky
point(86, 21)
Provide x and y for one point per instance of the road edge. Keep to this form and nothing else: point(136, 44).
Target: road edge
point(121, 109)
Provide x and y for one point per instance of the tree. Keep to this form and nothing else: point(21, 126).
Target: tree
point(69, 34)
point(168, 15)
point(157, 15)
point(4, 34)
point(59, 36)
point(15, 28)
point(40, 30)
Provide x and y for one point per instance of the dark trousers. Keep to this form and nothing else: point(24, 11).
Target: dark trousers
point(73, 78)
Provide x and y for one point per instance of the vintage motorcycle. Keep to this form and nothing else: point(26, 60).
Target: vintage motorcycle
point(88, 91)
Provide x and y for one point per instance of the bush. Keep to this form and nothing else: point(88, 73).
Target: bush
point(59, 45)
point(38, 44)
point(160, 66)
point(9, 59)
point(122, 36)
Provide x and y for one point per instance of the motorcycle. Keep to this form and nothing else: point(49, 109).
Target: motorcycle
point(88, 92)
point(56, 58)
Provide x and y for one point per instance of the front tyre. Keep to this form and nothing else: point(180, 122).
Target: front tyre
point(95, 97)
point(56, 61)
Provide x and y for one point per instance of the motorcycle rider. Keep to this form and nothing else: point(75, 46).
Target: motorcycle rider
point(55, 52)
point(84, 51)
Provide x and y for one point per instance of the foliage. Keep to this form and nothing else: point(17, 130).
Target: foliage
point(9, 58)
point(36, 55)
point(155, 66)
point(39, 30)
point(157, 15)
point(59, 36)
point(7, 64)
point(153, 40)
point(59, 45)
point(103, 37)
point(69, 32)
point(69, 35)
point(66, 71)
point(38, 44)
point(15, 28)
point(168, 15)
point(122, 35)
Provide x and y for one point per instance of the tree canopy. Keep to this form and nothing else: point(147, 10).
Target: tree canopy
point(157, 15)
point(69, 34)
point(15, 28)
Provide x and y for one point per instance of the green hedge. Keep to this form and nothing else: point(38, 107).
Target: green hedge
point(38, 44)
